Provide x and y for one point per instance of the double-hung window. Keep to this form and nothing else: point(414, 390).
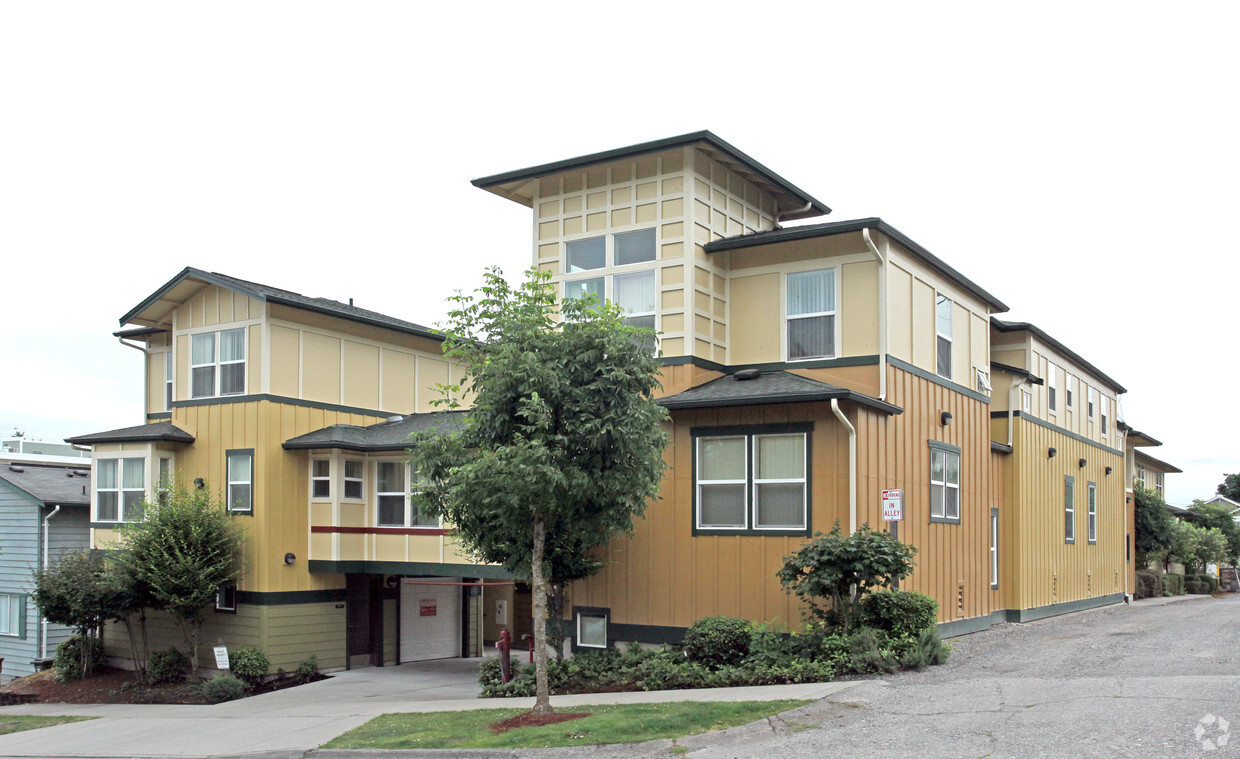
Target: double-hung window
point(632, 290)
point(163, 485)
point(241, 481)
point(1090, 401)
point(1092, 523)
point(394, 507)
point(13, 614)
point(943, 335)
point(810, 314)
point(1069, 509)
point(353, 480)
point(944, 482)
point(1141, 476)
point(217, 372)
point(1158, 483)
point(752, 479)
point(120, 489)
point(994, 548)
point(1052, 387)
point(168, 380)
point(1071, 391)
point(321, 478)
point(1103, 406)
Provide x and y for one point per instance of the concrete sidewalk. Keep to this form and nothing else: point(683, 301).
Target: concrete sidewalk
point(291, 722)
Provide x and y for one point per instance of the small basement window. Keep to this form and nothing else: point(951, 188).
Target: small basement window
point(592, 628)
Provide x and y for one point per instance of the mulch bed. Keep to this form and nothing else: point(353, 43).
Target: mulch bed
point(117, 686)
point(529, 719)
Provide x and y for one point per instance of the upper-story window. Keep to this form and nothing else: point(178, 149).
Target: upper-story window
point(1103, 407)
point(393, 506)
point(1091, 402)
point(1026, 401)
point(1158, 483)
point(943, 335)
point(633, 291)
point(217, 363)
point(811, 314)
point(944, 482)
point(168, 380)
point(1141, 475)
point(120, 489)
point(1052, 387)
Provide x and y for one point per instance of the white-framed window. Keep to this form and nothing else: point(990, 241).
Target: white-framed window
point(1141, 475)
point(1069, 509)
point(163, 481)
point(983, 380)
point(1158, 483)
point(634, 292)
point(320, 479)
point(120, 489)
point(810, 314)
point(240, 480)
point(753, 479)
point(1026, 401)
point(392, 503)
point(1091, 401)
point(631, 289)
point(1092, 503)
point(994, 548)
point(943, 335)
point(217, 373)
point(592, 628)
point(354, 481)
point(602, 251)
point(13, 614)
point(1071, 392)
point(168, 380)
point(1102, 405)
point(1052, 387)
point(944, 483)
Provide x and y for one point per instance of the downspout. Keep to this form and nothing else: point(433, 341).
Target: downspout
point(882, 314)
point(1012, 405)
point(783, 214)
point(852, 465)
point(43, 619)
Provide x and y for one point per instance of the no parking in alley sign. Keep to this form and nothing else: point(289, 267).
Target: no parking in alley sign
point(893, 505)
point(427, 607)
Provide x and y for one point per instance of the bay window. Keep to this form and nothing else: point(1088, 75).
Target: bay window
point(120, 489)
point(393, 505)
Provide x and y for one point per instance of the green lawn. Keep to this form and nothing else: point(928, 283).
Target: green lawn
point(15, 723)
point(616, 723)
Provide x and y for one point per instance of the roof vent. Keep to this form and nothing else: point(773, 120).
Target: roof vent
point(745, 375)
point(81, 472)
point(393, 419)
point(16, 468)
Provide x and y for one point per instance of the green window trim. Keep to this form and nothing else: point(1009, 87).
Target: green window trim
point(1069, 508)
point(229, 454)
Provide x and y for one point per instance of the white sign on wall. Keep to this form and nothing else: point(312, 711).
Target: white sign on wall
point(221, 657)
point(893, 505)
point(501, 612)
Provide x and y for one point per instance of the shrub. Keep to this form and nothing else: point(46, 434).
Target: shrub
point(900, 613)
point(1149, 584)
point(868, 653)
point(248, 664)
point(307, 670)
point(68, 658)
point(223, 687)
point(718, 641)
point(1205, 583)
point(167, 666)
point(927, 649)
point(1173, 585)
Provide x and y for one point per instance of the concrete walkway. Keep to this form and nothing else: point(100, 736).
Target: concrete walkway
point(287, 723)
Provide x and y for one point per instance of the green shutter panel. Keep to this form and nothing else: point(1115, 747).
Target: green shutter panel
point(23, 602)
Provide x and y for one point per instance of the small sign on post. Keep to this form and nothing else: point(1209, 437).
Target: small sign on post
point(428, 607)
point(893, 505)
point(221, 657)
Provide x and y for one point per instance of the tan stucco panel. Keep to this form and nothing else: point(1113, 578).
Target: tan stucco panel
point(430, 373)
point(399, 381)
point(285, 360)
point(361, 375)
point(755, 319)
point(320, 368)
point(859, 309)
point(923, 326)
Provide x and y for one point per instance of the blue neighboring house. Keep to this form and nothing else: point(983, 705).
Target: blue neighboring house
point(44, 512)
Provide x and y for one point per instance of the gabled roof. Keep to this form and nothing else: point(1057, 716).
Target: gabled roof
point(164, 431)
point(798, 204)
point(1138, 438)
point(1225, 500)
point(768, 387)
point(1160, 464)
point(270, 295)
point(1005, 326)
point(810, 231)
point(53, 485)
point(384, 436)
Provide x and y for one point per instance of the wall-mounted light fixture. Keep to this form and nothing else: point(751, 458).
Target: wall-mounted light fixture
point(945, 418)
point(289, 558)
point(1050, 453)
point(1109, 470)
point(1082, 463)
point(200, 483)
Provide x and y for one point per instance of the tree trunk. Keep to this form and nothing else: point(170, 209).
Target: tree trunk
point(555, 611)
point(133, 650)
point(542, 694)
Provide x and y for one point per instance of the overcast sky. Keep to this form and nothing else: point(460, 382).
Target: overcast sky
point(1077, 160)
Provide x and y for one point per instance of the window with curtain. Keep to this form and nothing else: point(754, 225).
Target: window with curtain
point(810, 314)
point(756, 481)
point(232, 362)
point(107, 490)
point(202, 365)
point(217, 372)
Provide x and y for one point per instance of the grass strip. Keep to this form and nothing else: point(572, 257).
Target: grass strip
point(15, 723)
point(611, 723)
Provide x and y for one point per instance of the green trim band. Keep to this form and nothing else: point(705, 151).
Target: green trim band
point(281, 399)
point(969, 626)
point(657, 635)
point(290, 597)
point(1063, 607)
point(936, 379)
point(818, 363)
point(430, 569)
point(159, 416)
point(1056, 428)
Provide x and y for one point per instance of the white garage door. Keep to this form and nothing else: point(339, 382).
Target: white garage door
point(430, 619)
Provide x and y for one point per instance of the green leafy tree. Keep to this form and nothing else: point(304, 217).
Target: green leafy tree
point(831, 573)
point(1230, 487)
point(1220, 518)
point(1195, 547)
point(564, 433)
point(73, 593)
point(1211, 548)
point(1153, 526)
point(181, 553)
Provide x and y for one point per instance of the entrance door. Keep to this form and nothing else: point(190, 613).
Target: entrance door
point(430, 619)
